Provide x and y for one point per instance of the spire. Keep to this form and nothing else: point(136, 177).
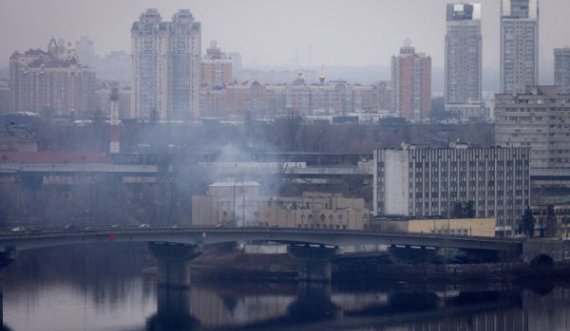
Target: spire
point(53, 46)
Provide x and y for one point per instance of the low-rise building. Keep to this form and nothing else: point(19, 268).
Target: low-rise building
point(478, 227)
point(560, 213)
point(232, 203)
point(316, 211)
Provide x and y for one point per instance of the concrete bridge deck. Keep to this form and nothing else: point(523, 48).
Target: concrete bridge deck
point(192, 235)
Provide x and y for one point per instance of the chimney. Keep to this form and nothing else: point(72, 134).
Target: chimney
point(115, 146)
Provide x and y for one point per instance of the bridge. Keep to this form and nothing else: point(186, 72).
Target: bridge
point(314, 248)
point(196, 235)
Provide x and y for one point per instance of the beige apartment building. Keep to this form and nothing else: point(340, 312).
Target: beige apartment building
point(52, 82)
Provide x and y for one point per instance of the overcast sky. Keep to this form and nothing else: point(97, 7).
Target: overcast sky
point(274, 32)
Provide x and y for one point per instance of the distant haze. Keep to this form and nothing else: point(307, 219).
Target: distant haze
point(291, 33)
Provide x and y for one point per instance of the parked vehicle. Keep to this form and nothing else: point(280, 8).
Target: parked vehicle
point(70, 227)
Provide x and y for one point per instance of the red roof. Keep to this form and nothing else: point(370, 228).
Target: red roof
point(53, 157)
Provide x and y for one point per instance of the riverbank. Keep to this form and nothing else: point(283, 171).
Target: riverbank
point(236, 265)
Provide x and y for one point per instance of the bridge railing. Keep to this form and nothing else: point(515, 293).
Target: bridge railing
point(20, 232)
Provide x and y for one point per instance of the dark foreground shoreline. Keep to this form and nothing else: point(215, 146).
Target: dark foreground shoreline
point(241, 267)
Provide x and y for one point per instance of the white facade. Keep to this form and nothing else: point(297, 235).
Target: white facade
point(421, 182)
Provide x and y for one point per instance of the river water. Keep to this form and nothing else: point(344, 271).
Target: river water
point(113, 288)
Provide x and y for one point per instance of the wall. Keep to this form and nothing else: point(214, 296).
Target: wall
point(396, 182)
point(312, 210)
point(483, 227)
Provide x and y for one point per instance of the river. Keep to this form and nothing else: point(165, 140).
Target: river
point(112, 287)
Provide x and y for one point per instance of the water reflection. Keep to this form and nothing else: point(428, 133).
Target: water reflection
point(111, 292)
point(173, 310)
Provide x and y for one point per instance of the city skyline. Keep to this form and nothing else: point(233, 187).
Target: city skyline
point(310, 39)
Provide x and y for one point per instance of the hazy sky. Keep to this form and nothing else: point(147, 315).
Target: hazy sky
point(274, 32)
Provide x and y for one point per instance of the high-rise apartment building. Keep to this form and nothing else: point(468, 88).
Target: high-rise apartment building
point(51, 82)
point(85, 50)
point(421, 182)
point(519, 44)
point(539, 118)
point(216, 67)
point(166, 66)
point(463, 60)
point(4, 96)
point(562, 68)
point(411, 79)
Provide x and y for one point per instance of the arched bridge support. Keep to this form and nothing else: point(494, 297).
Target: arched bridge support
point(315, 262)
point(172, 262)
point(553, 249)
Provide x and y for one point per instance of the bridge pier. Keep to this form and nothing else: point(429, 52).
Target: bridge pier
point(314, 262)
point(172, 259)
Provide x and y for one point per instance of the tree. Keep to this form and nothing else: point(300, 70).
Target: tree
point(463, 209)
point(469, 210)
point(457, 211)
point(527, 223)
point(551, 224)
